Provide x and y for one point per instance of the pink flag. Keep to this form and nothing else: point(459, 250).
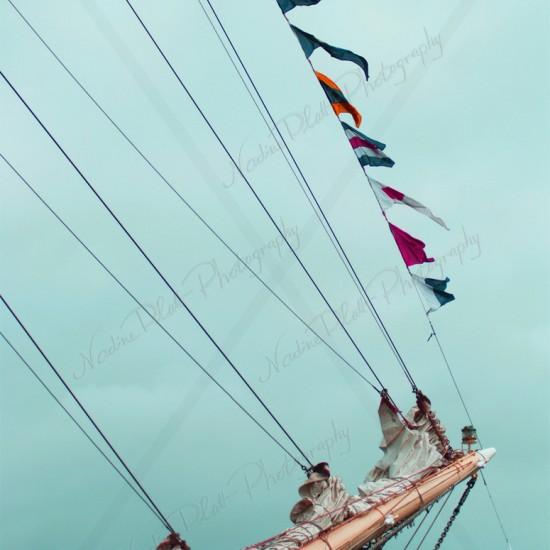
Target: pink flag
point(411, 249)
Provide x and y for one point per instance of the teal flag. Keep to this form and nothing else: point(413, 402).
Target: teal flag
point(287, 5)
point(309, 44)
point(433, 291)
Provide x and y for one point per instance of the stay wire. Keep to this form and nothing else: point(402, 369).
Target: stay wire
point(317, 208)
point(80, 427)
point(159, 273)
point(435, 519)
point(459, 392)
point(253, 191)
point(160, 516)
point(259, 109)
point(427, 513)
point(445, 360)
point(495, 509)
point(149, 314)
point(185, 202)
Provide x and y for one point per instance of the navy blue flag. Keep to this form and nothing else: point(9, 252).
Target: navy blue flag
point(433, 291)
point(309, 44)
point(287, 5)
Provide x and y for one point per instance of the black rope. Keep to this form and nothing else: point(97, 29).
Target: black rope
point(261, 113)
point(184, 201)
point(80, 427)
point(163, 519)
point(427, 513)
point(493, 504)
point(329, 230)
point(435, 519)
point(149, 314)
point(249, 185)
point(159, 273)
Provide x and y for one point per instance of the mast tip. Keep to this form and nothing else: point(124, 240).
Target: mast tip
point(486, 454)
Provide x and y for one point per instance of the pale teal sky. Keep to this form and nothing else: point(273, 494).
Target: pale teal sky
point(468, 127)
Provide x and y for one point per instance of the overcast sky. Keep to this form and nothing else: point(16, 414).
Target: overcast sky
point(458, 91)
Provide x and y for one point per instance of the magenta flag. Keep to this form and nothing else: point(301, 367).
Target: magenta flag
point(411, 249)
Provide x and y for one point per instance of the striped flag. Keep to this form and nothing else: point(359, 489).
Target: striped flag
point(368, 151)
point(388, 196)
point(411, 248)
point(433, 291)
point(287, 5)
point(309, 44)
point(337, 98)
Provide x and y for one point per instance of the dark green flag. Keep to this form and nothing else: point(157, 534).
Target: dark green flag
point(433, 291)
point(287, 5)
point(309, 44)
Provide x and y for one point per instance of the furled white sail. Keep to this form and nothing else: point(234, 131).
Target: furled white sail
point(411, 450)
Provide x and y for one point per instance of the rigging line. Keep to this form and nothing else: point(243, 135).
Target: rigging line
point(79, 426)
point(163, 519)
point(435, 519)
point(150, 315)
point(327, 226)
point(185, 202)
point(418, 527)
point(159, 273)
point(486, 485)
point(259, 109)
point(318, 210)
point(443, 354)
point(497, 514)
point(253, 191)
point(455, 383)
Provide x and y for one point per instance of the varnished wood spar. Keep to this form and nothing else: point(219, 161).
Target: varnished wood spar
point(357, 531)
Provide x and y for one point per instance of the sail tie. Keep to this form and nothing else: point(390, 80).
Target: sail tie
point(423, 404)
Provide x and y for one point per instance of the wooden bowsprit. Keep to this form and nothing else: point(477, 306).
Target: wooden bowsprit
point(360, 530)
point(368, 528)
